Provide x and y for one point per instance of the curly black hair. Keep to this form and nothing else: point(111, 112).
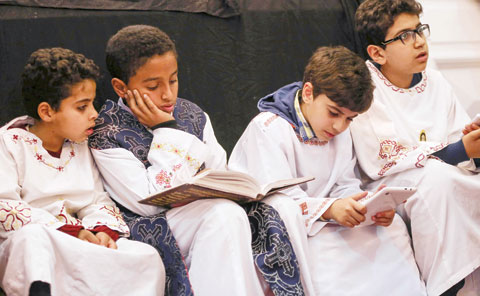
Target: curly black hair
point(49, 75)
point(342, 76)
point(132, 46)
point(373, 18)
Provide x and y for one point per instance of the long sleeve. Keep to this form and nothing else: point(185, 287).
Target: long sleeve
point(266, 151)
point(101, 211)
point(217, 157)
point(15, 212)
point(174, 156)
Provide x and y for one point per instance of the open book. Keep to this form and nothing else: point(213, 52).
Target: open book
point(386, 199)
point(232, 185)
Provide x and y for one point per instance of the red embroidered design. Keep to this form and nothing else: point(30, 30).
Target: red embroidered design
point(113, 211)
point(319, 209)
point(312, 142)
point(41, 158)
point(386, 167)
point(420, 158)
point(419, 89)
point(66, 218)
point(270, 119)
point(164, 179)
point(14, 217)
point(391, 149)
point(304, 208)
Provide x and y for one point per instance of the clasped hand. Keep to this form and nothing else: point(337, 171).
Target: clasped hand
point(471, 140)
point(100, 238)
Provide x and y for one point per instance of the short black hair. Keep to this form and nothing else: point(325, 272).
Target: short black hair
point(342, 76)
point(132, 46)
point(50, 74)
point(373, 18)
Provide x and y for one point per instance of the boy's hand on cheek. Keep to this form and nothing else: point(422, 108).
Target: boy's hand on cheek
point(471, 141)
point(145, 110)
point(348, 211)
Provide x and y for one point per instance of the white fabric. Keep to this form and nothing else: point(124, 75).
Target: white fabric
point(40, 188)
point(444, 214)
point(364, 261)
point(213, 235)
point(39, 194)
point(270, 150)
point(175, 156)
point(387, 136)
point(74, 267)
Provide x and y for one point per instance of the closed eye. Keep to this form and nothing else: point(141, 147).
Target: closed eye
point(333, 114)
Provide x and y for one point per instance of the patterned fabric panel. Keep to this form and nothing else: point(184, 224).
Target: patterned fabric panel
point(155, 231)
point(272, 250)
point(190, 118)
point(117, 127)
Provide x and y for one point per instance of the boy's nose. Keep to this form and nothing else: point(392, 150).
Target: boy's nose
point(94, 114)
point(166, 94)
point(339, 126)
point(419, 41)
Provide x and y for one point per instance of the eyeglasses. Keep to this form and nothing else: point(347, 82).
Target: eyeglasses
point(409, 35)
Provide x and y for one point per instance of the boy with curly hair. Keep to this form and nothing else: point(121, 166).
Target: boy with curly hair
point(60, 232)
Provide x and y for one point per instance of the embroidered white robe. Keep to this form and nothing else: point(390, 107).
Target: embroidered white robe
point(444, 214)
point(212, 234)
point(41, 193)
point(342, 261)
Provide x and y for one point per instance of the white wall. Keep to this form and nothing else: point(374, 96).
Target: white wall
point(455, 46)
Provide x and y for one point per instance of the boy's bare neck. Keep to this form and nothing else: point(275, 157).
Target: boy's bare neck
point(398, 79)
point(50, 140)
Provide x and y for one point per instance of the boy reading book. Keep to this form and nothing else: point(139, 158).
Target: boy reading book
point(236, 186)
point(412, 136)
point(302, 130)
point(59, 230)
point(150, 140)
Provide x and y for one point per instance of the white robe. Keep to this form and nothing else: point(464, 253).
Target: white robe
point(39, 194)
point(444, 214)
point(213, 234)
point(342, 261)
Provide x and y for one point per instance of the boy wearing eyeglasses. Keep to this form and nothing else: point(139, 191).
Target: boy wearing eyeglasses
point(412, 136)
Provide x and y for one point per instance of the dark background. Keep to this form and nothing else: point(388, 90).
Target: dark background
point(231, 52)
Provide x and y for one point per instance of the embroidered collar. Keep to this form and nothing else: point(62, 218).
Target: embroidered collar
point(38, 154)
point(304, 128)
point(417, 88)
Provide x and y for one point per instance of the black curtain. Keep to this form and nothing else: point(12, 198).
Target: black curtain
point(225, 63)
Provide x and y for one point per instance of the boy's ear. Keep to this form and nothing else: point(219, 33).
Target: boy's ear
point(307, 92)
point(119, 87)
point(377, 54)
point(45, 112)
